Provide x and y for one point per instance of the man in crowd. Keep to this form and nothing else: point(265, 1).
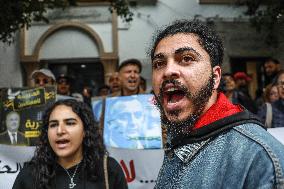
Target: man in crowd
point(104, 91)
point(129, 74)
point(12, 135)
point(211, 143)
point(271, 69)
point(235, 95)
point(63, 85)
point(114, 82)
point(43, 77)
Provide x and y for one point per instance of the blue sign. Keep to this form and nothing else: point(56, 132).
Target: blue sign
point(132, 122)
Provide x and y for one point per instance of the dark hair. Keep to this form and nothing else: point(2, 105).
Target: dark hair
point(208, 38)
point(132, 61)
point(270, 59)
point(104, 87)
point(44, 159)
point(228, 74)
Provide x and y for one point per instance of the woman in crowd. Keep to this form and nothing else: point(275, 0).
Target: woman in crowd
point(271, 93)
point(272, 114)
point(70, 153)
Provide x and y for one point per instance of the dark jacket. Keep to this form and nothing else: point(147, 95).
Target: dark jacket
point(25, 179)
point(21, 140)
point(277, 113)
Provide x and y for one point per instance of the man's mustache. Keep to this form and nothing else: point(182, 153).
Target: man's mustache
point(176, 84)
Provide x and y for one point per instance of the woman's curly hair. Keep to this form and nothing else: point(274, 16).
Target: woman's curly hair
point(44, 160)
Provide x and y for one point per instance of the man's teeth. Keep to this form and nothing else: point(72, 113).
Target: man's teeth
point(131, 81)
point(171, 89)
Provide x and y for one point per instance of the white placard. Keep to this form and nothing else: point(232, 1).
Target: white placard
point(12, 159)
point(278, 133)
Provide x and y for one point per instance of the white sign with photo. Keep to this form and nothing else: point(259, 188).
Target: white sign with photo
point(132, 122)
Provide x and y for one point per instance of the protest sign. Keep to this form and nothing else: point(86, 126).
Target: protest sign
point(12, 159)
point(140, 167)
point(278, 133)
point(21, 113)
point(132, 122)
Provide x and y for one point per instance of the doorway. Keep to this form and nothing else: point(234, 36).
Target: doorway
point(82, 71)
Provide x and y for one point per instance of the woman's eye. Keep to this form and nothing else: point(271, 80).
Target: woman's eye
point(51, 125)
point(70, 123)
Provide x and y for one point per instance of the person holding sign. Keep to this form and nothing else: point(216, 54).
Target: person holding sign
point(43, 77)
point(211, 143)
point(71, 153)
point(12, 135)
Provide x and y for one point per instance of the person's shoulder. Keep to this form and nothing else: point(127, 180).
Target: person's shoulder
point(113, 165)
point(279, 104)
point(4, 137)
point(256, 134)
point(112, 162)
point(116, 175)
point(25, 178)
point(4, 133)
point(28, 167)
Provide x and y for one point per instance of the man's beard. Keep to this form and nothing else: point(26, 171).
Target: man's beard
point(199, 100)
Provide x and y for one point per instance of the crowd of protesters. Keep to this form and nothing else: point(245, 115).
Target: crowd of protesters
point(185, 122)
point(127, 80)
point(269, 107)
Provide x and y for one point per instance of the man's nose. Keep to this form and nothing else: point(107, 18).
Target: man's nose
point(172, 70)
point(41, 83)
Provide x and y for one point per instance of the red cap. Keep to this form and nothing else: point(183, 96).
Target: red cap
point(241, 75)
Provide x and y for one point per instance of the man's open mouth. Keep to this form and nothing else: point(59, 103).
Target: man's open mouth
point(132, 81)
point(173, 95)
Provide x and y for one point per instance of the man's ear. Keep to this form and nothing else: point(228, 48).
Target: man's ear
point(217, 76)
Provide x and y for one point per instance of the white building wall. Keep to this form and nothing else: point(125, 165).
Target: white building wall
point(134, 39)
point(10, 68)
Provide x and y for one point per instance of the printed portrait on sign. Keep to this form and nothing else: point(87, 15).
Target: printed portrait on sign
point(22, 110)
point(132, 122)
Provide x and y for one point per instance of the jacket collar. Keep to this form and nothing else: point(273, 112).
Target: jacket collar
point(187, 152)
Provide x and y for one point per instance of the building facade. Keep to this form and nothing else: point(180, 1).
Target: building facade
point(87, 42)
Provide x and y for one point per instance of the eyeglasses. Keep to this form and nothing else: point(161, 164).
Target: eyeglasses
point(44, 81)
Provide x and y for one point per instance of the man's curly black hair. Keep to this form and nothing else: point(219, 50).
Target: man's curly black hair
point(208, 38)
point(44, 160)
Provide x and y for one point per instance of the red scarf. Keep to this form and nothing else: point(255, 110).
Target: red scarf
point(222, 108)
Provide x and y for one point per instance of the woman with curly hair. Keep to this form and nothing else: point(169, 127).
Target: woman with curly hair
point(71, 153)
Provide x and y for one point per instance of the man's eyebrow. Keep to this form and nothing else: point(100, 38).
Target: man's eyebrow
point(159, 55)
point(182, 49)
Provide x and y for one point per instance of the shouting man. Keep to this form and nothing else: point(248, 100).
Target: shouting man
point(211, 143)
point(129, 74)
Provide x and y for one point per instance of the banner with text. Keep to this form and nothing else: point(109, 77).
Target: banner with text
point(140, 167)
point(21, 113)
